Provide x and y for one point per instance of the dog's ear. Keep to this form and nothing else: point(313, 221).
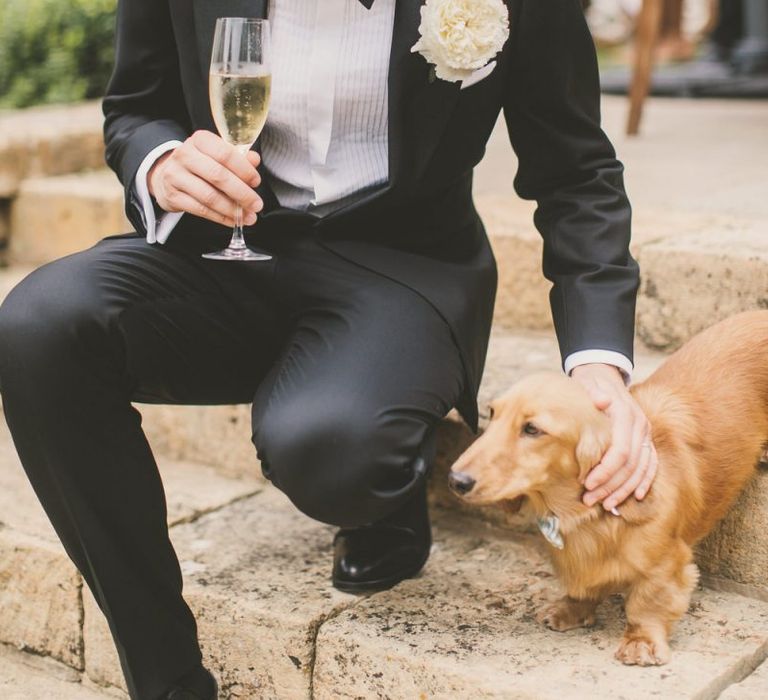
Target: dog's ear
point(589, 450)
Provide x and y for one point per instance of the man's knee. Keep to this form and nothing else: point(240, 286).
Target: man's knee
point(340, 466)
point(44, 313)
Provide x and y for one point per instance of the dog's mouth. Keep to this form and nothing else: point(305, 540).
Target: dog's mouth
point(465, 487)
point(513, 505)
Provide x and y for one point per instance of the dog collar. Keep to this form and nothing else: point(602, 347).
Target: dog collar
point(549, 526)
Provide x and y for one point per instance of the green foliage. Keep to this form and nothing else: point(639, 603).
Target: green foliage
point(54, 50)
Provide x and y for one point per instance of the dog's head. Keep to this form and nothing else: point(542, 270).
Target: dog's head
point(543, 432)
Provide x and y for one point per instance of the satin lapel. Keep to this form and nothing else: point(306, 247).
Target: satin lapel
point(419, 107)
point(206, 13)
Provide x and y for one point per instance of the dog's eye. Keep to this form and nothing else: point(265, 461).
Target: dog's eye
point(531, 430)
point(490, 412)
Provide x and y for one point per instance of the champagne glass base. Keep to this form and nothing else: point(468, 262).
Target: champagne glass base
point(237, 254)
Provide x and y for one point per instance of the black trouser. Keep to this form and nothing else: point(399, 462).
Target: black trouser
point(347, 370)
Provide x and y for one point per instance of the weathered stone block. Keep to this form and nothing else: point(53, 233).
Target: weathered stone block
point(737, 550)
point(693, 281)
point(46, 141)
point(40, 589)
point(466, 629)
point(216, 435)
point(40, 609)
point(522, 299)
point(28, 677)
point(257, 575)
point(55, 216)
point(753, 687)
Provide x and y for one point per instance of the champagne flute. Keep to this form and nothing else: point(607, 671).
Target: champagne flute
point(239, 87)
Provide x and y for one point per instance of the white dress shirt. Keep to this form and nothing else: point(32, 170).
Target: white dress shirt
point(326, 135)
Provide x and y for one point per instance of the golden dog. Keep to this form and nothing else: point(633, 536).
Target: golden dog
point(708, 408)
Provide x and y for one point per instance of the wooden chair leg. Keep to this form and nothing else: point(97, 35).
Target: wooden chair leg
point(648, 28)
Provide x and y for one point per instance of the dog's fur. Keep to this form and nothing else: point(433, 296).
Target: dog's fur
point(708, 408)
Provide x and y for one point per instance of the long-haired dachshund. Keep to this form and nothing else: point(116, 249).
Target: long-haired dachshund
point(708, 408)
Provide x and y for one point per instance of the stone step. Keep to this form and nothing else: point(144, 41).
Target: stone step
point(753, 687)
point(55, 216)
point(257, 576)
point(28, 677)
point(44, 141)
point(466, 629)
point(694, 280)
point(41, 592)
point(272, 626)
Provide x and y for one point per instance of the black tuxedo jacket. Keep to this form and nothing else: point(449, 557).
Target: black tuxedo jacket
point(421, 228)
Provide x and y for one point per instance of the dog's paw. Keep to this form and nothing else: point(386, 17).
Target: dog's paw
point(563, 616)
point(642, 652)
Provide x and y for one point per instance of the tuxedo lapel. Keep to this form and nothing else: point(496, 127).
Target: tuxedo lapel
point(419, 105)
point(206, 12)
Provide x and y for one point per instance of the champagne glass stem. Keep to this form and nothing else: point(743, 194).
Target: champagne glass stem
point(238, 240)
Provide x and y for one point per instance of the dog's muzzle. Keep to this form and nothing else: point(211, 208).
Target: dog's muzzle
point(460, 483)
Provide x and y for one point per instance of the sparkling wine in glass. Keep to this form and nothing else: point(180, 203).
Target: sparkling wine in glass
point(239, 88)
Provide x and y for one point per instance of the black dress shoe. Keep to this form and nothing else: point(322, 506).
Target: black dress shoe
point(199, 684)
point(378, 556)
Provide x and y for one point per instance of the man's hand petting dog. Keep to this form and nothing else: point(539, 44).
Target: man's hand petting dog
point(207, 177)
point(629, 465)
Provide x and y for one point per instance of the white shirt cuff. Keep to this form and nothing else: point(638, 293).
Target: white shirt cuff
point(606, 357)
point(158, 229)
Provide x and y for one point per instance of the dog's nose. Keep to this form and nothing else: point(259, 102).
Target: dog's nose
point(460, 482)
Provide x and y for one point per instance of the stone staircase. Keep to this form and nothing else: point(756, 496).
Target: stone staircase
point(271, 624)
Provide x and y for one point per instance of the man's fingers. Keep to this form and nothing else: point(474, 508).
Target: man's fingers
point(199, 190)
point(181, 201)
point(219, 176)
point(628, 465)
point(649, 476)
point(255, 160)
point(624, 490)
point(602, 492)
point(618, 453)
point(626, 470)
point(229, 156)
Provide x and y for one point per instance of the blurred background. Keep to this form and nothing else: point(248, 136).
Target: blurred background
point(56, 51)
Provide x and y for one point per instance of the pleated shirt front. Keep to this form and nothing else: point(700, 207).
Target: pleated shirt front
point(325, 140)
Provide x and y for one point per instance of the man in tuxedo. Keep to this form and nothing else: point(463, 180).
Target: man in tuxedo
point(368, 325)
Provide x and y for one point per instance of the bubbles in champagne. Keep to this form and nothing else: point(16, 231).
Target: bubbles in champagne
point(240, 104)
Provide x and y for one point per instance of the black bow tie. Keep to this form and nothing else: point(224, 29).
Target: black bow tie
point(367, 3)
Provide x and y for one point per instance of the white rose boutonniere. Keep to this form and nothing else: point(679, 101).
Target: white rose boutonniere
point(460, 36)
